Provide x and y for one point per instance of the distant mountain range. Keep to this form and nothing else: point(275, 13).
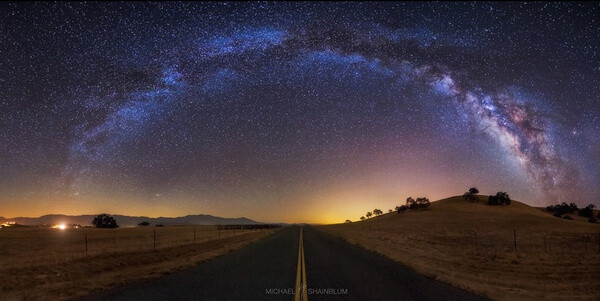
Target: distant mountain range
point(129, 221)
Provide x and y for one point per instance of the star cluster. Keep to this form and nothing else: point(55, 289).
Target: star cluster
point(294, 111)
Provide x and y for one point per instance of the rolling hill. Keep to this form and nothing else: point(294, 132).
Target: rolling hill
point(130, 221)
point(514, 252)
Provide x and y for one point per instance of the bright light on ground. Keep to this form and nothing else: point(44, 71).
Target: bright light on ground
point(61, 226)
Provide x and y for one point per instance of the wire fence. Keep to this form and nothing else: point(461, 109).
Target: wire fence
point(505, 240)
point(21, 247)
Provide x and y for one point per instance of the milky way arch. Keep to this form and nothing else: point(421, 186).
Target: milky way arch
point(267, 56)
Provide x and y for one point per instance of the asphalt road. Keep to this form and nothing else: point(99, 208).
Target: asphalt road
point(270, 269)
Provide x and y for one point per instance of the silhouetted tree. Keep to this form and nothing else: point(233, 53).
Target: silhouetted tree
point(377, 212)
point(588, 211)
point(501, 198)
point(362, 218)
point(144, 224)
point(422, 203)
point(104, 221)
point(369, 214)
point(470, 195)
point(561, 209)
point(390, 211)
point(348, 221)
point(573, 207)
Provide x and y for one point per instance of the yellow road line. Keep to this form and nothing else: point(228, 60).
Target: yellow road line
point(299, 268)
point(301, 287)
point(304, 283)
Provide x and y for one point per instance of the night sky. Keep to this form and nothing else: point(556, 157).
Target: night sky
point(294, 112)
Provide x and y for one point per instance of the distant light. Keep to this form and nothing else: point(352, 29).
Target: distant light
point(61, 226)
point(7, 224)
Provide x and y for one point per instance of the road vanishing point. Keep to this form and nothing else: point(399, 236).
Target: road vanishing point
point(295, 263)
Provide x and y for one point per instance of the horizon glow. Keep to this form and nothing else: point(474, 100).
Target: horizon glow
point(294, 112)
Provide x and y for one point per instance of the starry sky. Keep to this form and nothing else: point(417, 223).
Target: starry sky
point(294, 112)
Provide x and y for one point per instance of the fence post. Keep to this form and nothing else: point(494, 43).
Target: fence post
point(194, 234)
point(586, 241)
point(86, 245)
point(154, 246)
point(545, 245)
point(515, 238)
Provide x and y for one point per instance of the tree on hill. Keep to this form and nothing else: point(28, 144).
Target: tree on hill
point(348, 221)
point(562, 209)
point(362, 218)
point(377, 212)
point(104, 221)
point(402, 208)
point(501, 198)
point(588, 211)
point(144, 224)
point(369, 214)
point(390, 211)
point(422, 203)
point(470, 195)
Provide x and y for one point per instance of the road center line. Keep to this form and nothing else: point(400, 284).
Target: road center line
point(301, 286)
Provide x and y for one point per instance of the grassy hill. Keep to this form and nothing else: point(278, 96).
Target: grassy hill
point(472, 245)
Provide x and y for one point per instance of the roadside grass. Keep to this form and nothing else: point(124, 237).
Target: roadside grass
point(471, 245)
point(50, 264)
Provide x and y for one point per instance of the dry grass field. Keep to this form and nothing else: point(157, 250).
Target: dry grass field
point(471, 245)
point(51, 264)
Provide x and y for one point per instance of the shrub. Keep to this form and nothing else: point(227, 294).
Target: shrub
point(104, 221)
point(557, 214)
point(144, 224)
point(160, 225)
point(348, 221)
point(567, 217)
point(593, 220)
